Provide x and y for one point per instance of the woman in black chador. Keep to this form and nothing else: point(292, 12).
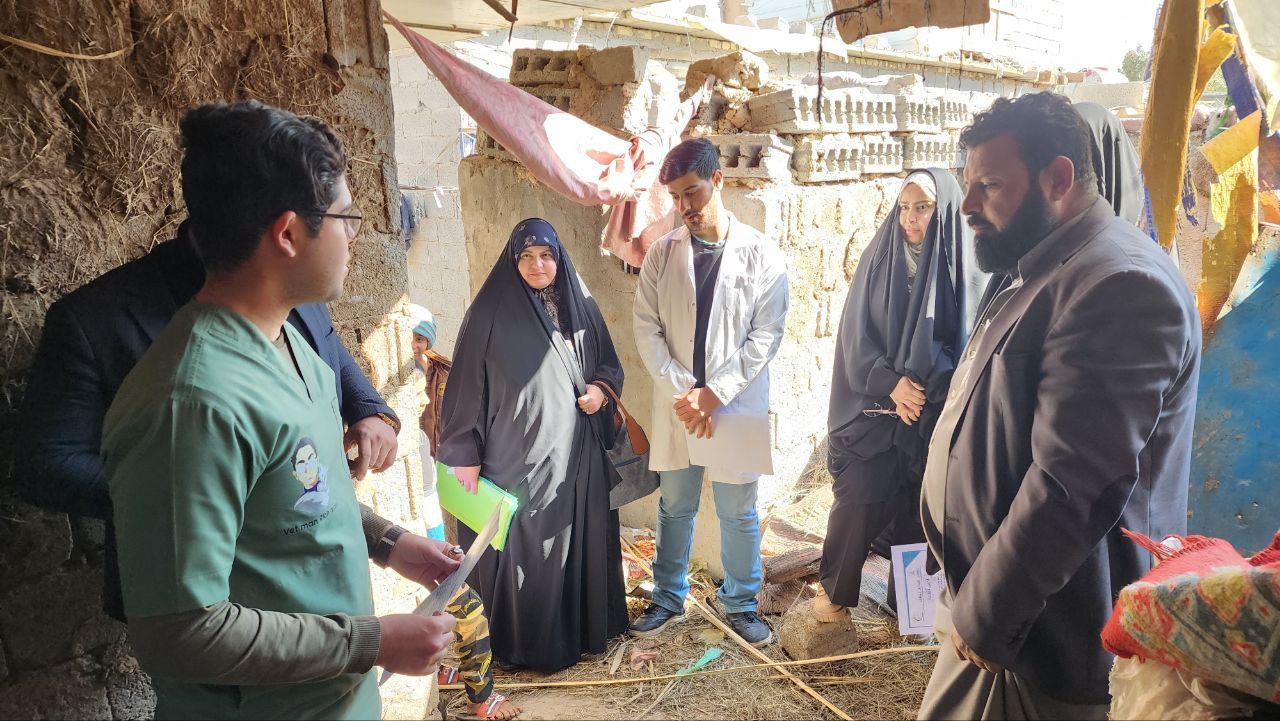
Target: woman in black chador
point(520, 409)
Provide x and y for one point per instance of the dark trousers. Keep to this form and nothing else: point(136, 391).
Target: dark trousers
point(861, 522)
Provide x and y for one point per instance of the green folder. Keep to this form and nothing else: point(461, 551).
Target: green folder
point(474, 509)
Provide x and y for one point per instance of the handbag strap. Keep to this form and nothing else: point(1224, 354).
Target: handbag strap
point(639, 441)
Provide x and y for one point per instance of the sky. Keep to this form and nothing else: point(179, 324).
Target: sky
point(1095, 33)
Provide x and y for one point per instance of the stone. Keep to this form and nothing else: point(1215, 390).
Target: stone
point(739, 69)
point(68, 690)
point(531, 66)
point(754, 155)
point(823, 159)
point(745, 20)
point(980, 102)
point(131, 696)
point(558, 97)
point(42, 620)
point(774, 23)
point(895, 85)
point(921, 151)
point(801, 27)
point(617, 65)
point(881, 155)
point(805, 637)
point(38, 542)
point(919, 114)
point(488, 147)
point(89, 534)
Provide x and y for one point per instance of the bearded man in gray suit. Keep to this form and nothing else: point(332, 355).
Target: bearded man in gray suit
point(1068, 419)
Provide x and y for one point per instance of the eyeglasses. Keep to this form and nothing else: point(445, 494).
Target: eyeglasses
point(352, 222)
point(878, 411)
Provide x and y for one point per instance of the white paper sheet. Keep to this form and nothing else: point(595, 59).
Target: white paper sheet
point(738, 444)
point(916, 591)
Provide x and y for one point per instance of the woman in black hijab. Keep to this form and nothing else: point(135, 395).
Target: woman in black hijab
point(520, 410)
point(907, 318)
point(1115, 162)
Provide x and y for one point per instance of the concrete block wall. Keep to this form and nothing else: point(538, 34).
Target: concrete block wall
point(429, 126)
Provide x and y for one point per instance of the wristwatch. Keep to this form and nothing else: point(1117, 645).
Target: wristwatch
point(395, 425)
point(381, 553)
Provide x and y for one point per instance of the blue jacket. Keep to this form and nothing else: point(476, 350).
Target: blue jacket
point(92, 338)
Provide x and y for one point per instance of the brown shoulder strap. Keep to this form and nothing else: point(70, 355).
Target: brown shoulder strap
point(639, 441)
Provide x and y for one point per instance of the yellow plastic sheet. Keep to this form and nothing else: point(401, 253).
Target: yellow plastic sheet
point(1172, 97)
point(1233, 204)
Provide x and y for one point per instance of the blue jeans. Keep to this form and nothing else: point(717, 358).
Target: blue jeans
point(739, 540)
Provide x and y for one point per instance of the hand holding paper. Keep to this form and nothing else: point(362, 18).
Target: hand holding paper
point(468, 476)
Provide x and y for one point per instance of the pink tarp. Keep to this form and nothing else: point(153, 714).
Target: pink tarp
point(569, 155)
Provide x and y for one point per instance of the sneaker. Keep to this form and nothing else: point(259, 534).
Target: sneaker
point(751, 628)
point(654, 619)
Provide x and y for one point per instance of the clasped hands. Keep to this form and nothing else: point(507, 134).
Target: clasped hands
point(694, 409)
point(909, 398)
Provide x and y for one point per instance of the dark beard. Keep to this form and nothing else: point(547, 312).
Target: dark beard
point(998, 251)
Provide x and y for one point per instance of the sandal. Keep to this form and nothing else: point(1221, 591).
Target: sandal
point(495, 708)
point(447, 675)
point(826, 611)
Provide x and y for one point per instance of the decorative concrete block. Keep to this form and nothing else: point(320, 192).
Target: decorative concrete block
point(881, 155)
point(617, 65)
point(531, 66)
point(794, 111)
point(873, 114)
point(918, 114)
point(929, 151)
point(828, 158)
point(754, 155)
point(955, 110)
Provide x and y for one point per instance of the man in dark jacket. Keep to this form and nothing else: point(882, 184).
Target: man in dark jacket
point(92, 339)
point(1068, 419)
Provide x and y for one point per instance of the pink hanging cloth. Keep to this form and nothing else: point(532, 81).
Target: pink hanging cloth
point(570, 156)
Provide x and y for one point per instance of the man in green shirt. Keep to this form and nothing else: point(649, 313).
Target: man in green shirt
point(243, 550)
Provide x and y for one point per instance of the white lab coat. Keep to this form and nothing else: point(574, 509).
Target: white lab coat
point(744, 332)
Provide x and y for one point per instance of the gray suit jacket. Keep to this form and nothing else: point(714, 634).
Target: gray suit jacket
point(1076, 422)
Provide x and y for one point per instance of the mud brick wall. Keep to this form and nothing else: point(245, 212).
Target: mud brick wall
point(89, 154)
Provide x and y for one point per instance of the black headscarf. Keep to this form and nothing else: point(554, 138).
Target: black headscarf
point(1115, 162)
point(889, 330)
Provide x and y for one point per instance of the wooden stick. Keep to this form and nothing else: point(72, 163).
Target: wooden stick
point(743, 643)
point(778, 665)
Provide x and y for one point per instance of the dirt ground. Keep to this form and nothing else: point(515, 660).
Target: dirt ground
point(882, 687)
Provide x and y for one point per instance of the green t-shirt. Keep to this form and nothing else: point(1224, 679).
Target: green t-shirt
point(229, 482)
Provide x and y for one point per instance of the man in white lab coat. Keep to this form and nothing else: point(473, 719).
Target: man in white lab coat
point(710, 310)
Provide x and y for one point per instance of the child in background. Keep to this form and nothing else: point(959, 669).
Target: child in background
point(471, 644)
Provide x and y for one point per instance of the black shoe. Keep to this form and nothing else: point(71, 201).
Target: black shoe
point(654, 619)
point(751, 628)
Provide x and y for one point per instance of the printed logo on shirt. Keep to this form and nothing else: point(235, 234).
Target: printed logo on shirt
point(313, 476)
